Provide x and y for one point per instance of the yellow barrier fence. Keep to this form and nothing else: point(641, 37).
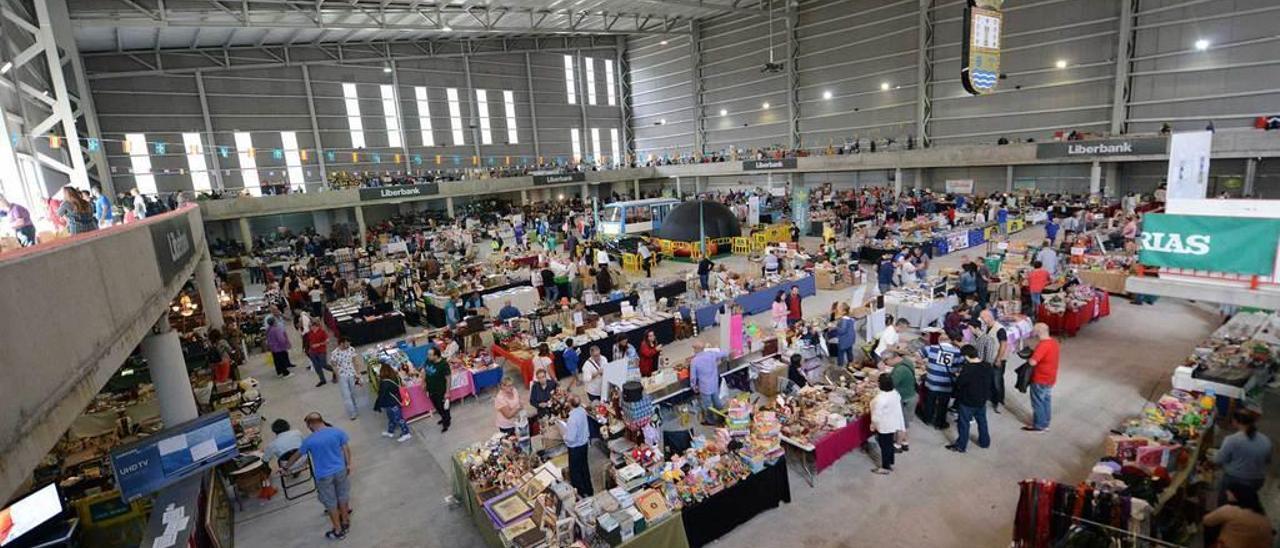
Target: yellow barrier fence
point(630, 262)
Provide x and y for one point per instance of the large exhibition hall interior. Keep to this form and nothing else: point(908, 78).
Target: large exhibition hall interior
point(641, 273)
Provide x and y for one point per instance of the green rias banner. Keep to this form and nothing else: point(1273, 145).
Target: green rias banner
point(1233, 245)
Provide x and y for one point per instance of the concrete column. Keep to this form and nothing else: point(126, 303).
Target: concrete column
point(448, 206)
point(524, 197)
point(1111, 188)
point(586, 191)
point(679, 193)
point(246, 235)
point(163, 353)
point(917, 180)
point(342, 216)
point(1095, 178)
point(897, 181)
point(1008, 178)
point(1250, 175)
point(360, 226)
point(636, 185)
point(322, 221)
point(207, 285)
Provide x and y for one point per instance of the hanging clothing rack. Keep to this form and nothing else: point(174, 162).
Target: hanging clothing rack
point(1135, 537)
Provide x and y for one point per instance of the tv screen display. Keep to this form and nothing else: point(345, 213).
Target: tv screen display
point(173, 454)
point(29, 513)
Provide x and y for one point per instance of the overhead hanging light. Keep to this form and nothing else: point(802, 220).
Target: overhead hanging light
point(386, 69)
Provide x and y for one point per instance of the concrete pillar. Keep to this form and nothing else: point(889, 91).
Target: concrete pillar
point(1008, 178)
point(163, 353)
point(636, 185)
point(897, 181)
point(1250, 174)
point(448, 206)
point(246, 235)
point(207, 285)
point(585, 192)
point(360, 226)
point(917, 179)
point(341, 216)
point(1111, 188)
point(524, 197)
point(679, 192)
point(1095, 178)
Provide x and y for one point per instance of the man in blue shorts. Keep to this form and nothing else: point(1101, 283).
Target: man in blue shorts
point(331, 460)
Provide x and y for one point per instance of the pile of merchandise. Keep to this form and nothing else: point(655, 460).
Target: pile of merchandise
point(1236, 359)
point(811, 412)
point(764, 444)
point(497, 463)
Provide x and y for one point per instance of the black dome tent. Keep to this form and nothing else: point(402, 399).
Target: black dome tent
point(681, 224)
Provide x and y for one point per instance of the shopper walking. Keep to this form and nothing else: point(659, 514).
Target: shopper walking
point(778, 311)
point(942, 364)
point(1044, 374)
point(994, 352)
point(846, 334)
point(1242, 521)
point(348, 363)
point(436, 372)
point(570, 358)
point(1244, 456)
point(903, 374)
point(650, 352)
point(576, 435)
point(19, 221)
point(540, 393)
point(704, 379)
point(76, 211)
point(278, 344)
point(389, 402)
point(506, 406)
point(1037, 280)
point(973, 390)
point(593, 374)
point(316, 341)
point(331, 464)
point(794, 311)
point(886, 422)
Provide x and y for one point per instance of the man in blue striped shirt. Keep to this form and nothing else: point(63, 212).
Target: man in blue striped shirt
point(943, 363)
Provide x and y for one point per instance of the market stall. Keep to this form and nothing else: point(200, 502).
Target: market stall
point(921, 307)
point(1070, 310)
point(362, 324)
point(1235, 361)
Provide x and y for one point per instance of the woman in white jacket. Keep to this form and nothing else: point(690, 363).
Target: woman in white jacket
point(886, 421)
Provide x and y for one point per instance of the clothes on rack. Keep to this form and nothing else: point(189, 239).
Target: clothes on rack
point(1049, 513)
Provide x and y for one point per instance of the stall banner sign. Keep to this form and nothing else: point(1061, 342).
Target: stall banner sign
point(980, 60)
point(1102, 147)
point(753, 210)
point(959, 186)
point(958, 240)
point(766, 165)
point(174, 246)
point(800, 209)
point(402, 191)
point(559, 178)
point(1188, 175)
point(1235, 245)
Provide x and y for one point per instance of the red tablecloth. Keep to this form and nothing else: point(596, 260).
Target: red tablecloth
point(836, 444)
point(1071, 321)
point(525, 365)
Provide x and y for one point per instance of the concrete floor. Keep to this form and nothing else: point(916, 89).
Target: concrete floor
point(935, 498)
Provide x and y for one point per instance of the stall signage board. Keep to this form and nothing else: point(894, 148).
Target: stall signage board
point(558, 178)
point(1102, 148)
point(1216, 244)
point(1188, 175)
point(980, 60)
point(959, 186)
point(401, 191)
point(173, 245)
point(766, 165)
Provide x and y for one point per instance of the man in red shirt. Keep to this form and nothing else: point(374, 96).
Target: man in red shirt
point(794, 313)
point(1037, 279)
point(316, 343)
point(1044, 374)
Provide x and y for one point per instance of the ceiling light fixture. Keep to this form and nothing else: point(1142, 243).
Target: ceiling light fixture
point(724, 112)
point(446, 28)
point(386, 69)
point(1062, 63)
point(662, 43)
point(1202, 44)
point(826, 95)
point(764, 105)
point(884, 86)
point(5, 68)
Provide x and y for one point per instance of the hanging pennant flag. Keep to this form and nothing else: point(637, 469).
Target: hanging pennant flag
point(302, 154)
point(13, 138)
point(377, 158)
point(277, 154)
point(331, 156)
point(475, 160)
point(55, 142)
point(397, 159)
point(437, 159)
point(417, 159)
point(127, 147)
point(94, 144)
point(223, 152)
point(253, 152)
point(492, 160)
point(355, 157)
point(540, 160)
point(160, 147)
point(507, 161)
point(457, 160)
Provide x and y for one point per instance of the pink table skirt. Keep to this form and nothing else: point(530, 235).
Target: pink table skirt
point(461, 385)
point(836, 444)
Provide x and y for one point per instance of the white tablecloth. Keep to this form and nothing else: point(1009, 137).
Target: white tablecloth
point(525, 298)
point(919, 315)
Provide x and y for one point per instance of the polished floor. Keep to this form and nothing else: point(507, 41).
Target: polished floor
point(935, 498)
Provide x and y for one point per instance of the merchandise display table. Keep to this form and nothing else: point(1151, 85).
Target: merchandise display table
point(919, 314)
point(715, 516)
point(868, 254)
point(664, 330)
point(1111, 281)
point(814, 458)
point(1071, 321)
point(524, 298)
point(487, 378)
point(756, 301)
point(361, 332)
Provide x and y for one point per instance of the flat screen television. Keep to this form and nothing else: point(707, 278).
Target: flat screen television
point(146, 466)
point(30, 513)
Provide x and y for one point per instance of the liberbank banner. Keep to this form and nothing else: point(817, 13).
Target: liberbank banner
point(1103, 147)
point(559, 178)
point(765, 165)
point(399, 191)
point(1235, 245)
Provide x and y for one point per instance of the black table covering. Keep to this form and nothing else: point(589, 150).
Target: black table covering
point(361, 332)
point(664, 331)
point(668, 290)
point(868, 254)
point(715, 516)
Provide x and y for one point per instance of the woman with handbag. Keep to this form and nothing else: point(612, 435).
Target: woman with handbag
point(436, 371)
point(389, 402)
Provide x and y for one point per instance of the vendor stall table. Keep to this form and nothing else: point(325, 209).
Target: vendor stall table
point(919, 315)
point(667, 533)
point(757, 301)
point(664, 330)
point(868, 254)
point(361, 332)
point(1111, 281)
point(524, 298)
point(1071, 321)
point(487, 378)
point(715, 516)
point(816, 457)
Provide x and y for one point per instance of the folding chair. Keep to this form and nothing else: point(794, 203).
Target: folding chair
point(302, 476)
